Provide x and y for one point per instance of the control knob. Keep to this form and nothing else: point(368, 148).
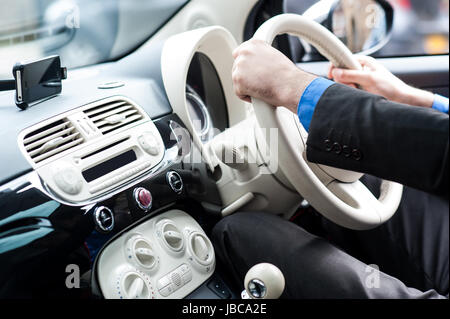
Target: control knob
point(149, 143)
point(103, 219)
point(175, 181)
point(139, 250)
point(68, 179)
point(136, 285)
point(143, 198)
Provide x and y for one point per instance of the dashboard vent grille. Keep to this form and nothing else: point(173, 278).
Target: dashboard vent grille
point(111, 116)
point(51, 139)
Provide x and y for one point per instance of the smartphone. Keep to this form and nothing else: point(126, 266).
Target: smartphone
point(38, 80)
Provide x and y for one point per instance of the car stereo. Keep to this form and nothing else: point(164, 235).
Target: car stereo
point(83, 154)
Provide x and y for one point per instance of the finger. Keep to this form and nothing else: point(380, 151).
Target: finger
point(331, 67)
point(238, 88)
point(245, 47)
point(351, 76)
point(245, 98)
point(236, 52)
point(350, 84)
point(235, 66)
point(238, 63)
point(367, 61)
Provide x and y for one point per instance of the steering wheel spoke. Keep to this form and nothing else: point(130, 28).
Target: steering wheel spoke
point(358, 196)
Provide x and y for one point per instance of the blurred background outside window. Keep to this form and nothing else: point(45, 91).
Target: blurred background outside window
point(85, 32)
point(82, 32)
point(420, 26)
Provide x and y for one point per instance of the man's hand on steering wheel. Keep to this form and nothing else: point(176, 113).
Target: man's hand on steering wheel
point(263, 72)
point(375, 78)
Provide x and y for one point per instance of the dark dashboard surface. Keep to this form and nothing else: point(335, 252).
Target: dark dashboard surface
point(141, 78)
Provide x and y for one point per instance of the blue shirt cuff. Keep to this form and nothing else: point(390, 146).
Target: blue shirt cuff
point(309, 100)
point(440, 103)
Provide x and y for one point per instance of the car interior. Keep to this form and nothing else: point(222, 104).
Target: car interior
point(121, 177)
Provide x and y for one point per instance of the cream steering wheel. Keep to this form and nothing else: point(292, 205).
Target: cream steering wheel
point(337, 194)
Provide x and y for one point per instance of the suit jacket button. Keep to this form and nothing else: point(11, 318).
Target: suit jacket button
point(328, 145)
point(346, 150)
point(337, 148)
point(356, 154)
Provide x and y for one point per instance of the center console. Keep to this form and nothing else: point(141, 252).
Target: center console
point(167, 256)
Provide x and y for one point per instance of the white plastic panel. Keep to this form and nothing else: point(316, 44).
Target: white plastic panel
point(256, 188)
point(63, 173)
point(168, 256)
point(231, 14)
point(217, 44)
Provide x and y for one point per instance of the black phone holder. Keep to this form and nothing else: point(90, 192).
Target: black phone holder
point(35, 81)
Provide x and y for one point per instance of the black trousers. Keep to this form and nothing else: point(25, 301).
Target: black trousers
point(406, 257)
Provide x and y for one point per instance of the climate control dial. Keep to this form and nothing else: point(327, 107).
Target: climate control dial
point(201, 251)
point(171, 237)
point(140, 252)
point(134, 284)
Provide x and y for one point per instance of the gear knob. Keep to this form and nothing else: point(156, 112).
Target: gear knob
point(264, 281)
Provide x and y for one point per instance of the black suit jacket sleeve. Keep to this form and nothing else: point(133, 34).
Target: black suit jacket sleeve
point(359, 131)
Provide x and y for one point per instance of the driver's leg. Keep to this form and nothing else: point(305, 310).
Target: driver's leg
point(412, 245)
point(313, 268)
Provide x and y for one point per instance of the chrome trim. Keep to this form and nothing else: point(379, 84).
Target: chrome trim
point(98, 222)
point(203, 134)
point(173, 187)
point(257, 288)
point(19, 85)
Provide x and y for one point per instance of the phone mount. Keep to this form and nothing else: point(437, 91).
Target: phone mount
point(35, 81)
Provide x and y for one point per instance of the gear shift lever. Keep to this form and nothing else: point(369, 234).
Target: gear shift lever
point(263, 281)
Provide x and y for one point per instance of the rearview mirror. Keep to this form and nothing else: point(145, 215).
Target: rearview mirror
point(364, 26)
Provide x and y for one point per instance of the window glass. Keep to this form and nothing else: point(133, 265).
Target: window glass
point(420, 28)
point(82, 32)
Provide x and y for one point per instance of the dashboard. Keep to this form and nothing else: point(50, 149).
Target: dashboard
point(126, 161)
point(97, 159)
point(168, 256)
point(126, 172)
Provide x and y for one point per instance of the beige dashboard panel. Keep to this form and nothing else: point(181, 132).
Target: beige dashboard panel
point(85, 153)
point(217, 44)
point(167, 256)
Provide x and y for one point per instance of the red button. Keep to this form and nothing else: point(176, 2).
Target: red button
point(144, 198)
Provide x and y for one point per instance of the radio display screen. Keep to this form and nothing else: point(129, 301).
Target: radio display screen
point(109, 166)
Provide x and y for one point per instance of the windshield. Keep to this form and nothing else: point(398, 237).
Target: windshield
point(82, 32)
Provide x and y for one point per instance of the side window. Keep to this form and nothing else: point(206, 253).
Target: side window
point(420, 28)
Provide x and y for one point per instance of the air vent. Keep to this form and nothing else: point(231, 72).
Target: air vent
point(51, 139)
point(111, 116)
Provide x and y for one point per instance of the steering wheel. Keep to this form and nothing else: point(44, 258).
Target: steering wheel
point(335, 193)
